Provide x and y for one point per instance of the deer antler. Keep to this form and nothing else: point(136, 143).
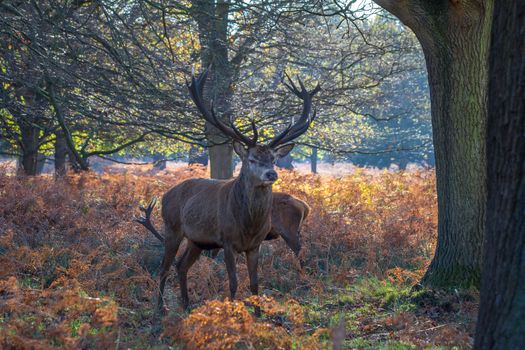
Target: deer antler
point(146, 219)
point(294, 130)
point(196, 88)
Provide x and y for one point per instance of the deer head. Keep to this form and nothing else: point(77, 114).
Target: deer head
point(258, 160)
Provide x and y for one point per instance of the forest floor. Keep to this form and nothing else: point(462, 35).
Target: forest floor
point(78, 273)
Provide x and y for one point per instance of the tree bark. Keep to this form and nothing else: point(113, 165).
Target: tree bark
point(82, 163)
point(30, 145)
point(60, 154)
point(313, 160)
point(212, 20)
point(40, 163)
point(501, 319)
point(455, 37)
point(197, 155)
point(285, 162)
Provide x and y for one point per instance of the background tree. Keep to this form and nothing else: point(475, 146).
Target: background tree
point(374, 98)
point(455, 37)
point(98, 74)
point(227, 31)
point(266, 39)
point(112, 78)
point(501, 323)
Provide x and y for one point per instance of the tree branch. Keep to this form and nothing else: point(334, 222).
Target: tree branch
point(60, 118)
point(119, 148)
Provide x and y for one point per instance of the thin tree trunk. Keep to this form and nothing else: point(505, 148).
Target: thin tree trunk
point(313, 160)
point(501, 319)
point(285, 162)
point(30, 146)
point(73, 164)
point(79, 160)
point(197, 155)
point(40, 163)
point(455, 37)
point(60, 154)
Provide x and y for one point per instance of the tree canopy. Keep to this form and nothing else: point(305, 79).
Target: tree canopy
point(108, 78)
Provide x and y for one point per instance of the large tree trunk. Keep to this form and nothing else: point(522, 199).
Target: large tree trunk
point(221, 150)
point(212, 20)
point(455, 37)
point(501, 320)
point(457, 70)
point(221, 160)
point(60, 154)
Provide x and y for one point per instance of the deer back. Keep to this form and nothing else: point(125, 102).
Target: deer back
point(176, 199)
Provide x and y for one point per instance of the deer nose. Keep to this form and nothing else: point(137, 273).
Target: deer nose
point(271, 175)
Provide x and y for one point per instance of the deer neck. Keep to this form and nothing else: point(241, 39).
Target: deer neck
point(253, 203)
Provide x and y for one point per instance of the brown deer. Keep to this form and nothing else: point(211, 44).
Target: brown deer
point(287, 217)
point(230, 214)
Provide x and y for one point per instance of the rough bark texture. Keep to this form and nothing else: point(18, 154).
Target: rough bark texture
point(455, 37)
point(501, 321)
point(30, 145)
point(221, 163)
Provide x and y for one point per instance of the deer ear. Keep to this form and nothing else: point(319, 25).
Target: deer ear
point(282, 151)
point(239, 149)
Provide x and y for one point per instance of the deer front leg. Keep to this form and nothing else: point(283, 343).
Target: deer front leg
point(252, 260)
point(229, 259)
point(190, 256)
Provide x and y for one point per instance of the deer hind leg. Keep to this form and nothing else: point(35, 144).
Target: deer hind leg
point(229, 259)
point(190, 256)
point(171, 245)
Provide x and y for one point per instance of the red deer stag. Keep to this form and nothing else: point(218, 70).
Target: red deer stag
point(287, 217)
point(229, 214)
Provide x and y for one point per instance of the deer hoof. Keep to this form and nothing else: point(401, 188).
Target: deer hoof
point(257, 312)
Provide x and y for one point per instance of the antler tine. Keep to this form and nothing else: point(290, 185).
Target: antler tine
point(146, 219)
point(147, 211)
point(303, 92)
point(292, 86)
point(196, 88)
point(295, 130)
